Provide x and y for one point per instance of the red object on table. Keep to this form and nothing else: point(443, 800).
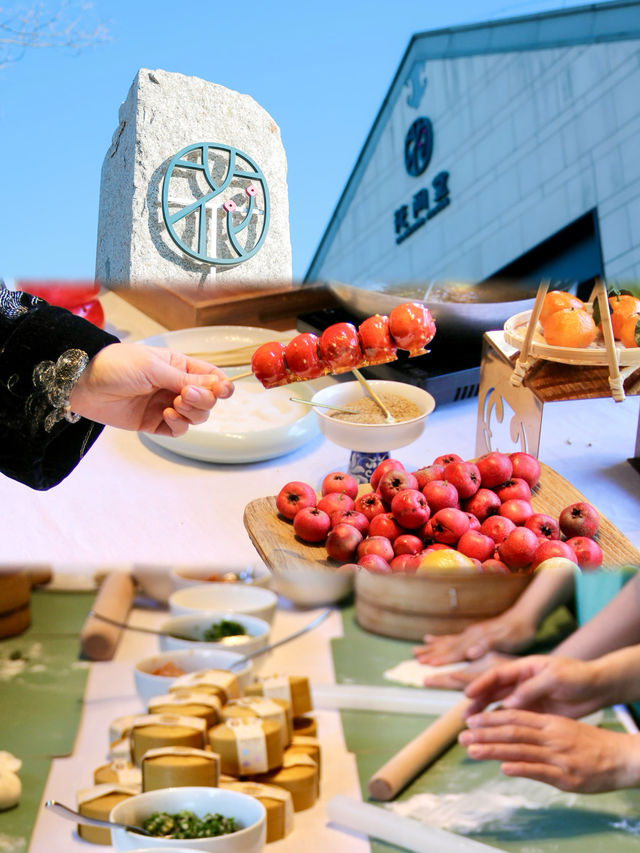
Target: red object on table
point(79, 297)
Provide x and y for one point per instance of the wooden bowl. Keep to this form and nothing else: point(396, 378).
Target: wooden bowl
point(15, 602)
point(409, 606)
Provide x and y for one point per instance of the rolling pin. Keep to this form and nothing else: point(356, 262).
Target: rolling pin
point(418, 753)
point(115, 596)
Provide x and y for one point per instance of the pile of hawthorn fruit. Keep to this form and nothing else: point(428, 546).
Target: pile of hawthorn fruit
point(481, 510)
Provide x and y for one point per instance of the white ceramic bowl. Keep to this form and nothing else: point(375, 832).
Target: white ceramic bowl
point(248, 811)
point(164, 850)
point(312, 585)
point(256, 574)
point(185, 632)
point(228, 597)
point(372, 438)
point(149, 685)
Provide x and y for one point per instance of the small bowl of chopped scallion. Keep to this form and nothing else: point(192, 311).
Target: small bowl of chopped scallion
point(210, 819)
point(235, 632)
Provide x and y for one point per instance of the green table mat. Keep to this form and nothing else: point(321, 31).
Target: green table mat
point(568, 823)
point(42, 683)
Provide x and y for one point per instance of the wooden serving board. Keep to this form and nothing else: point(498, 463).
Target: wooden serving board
point(270, 305)
point(408, 606)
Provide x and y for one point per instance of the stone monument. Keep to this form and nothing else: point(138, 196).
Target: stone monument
point(193, 189)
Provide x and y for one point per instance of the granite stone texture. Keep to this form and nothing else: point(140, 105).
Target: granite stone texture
point(163, 113)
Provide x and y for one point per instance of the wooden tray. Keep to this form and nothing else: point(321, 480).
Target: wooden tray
point(182, 306)
point(406, 606)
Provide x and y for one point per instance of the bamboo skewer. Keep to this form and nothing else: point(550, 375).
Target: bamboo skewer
point(241, 376)
point(615, 379)
point(230, 357)
point(324, 406)
point(523, 364)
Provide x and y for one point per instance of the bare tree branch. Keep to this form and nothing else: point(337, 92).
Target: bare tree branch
point(22, 28)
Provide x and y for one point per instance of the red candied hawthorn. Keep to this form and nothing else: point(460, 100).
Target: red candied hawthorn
point(375, 339)
point(267, 364)
point(340, 348)
point(411, 326)
point(302, 357)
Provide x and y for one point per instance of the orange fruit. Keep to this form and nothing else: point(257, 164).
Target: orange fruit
point(445, 560)
point(557, 300)
point(621, 311)
point(627, 335)
point(620, 315)
point(619, 301)
point(570, 328)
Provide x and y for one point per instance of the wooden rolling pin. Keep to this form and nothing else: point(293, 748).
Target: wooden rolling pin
point(418, 753)
point(115, 596)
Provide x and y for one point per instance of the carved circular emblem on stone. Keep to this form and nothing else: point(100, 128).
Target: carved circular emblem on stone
point(215, 203)
point(418, 146)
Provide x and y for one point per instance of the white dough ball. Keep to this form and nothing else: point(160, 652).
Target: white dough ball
point(9, 762)
point(10, 790)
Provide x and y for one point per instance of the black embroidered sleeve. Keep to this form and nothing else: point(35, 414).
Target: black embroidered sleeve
point(43, 350)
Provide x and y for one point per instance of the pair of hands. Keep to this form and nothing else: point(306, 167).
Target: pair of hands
point(534, 734)
point(150, 389)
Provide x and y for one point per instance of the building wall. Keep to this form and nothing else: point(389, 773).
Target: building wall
point(532, 140)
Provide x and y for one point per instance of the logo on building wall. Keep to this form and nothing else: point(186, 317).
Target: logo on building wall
point(428, 201)
point(215, 203)
point(418, 146)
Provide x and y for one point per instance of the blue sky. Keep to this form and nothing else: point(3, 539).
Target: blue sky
point(321, 69)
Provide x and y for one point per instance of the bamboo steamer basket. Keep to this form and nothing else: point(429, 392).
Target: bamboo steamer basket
point(15, 602)
point(409, 606)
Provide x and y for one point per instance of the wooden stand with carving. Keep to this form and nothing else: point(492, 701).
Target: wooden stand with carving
point(612, 356)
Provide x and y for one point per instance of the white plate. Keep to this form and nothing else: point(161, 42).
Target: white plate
point(277, 426)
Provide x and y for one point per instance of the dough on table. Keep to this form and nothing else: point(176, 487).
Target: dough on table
point(413, 673)
point(10, 785)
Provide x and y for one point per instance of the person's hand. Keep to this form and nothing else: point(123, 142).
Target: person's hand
point(151, 389)
point(543, 683)
point(570, 755)
point(504, 633)
point(458, 679)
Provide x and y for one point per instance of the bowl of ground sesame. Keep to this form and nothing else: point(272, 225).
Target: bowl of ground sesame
point(364, 427)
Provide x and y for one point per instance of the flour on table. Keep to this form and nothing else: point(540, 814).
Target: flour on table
point(413, 673)
point(12, 843)
point(492, 805)
point(9, 667)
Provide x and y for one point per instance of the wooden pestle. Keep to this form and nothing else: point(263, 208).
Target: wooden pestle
point(115, 596)
point(418, 753)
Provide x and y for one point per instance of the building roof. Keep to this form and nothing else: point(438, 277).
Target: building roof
point(618, 20)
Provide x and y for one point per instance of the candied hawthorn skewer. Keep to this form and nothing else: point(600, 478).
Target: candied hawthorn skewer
point(342, 347)
point(267, 364)
point(302, 357)
point(375, 339)
point(412, 327)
